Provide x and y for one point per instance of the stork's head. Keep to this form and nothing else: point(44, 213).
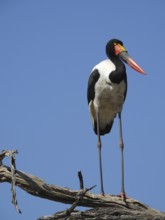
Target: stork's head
point(115, 48)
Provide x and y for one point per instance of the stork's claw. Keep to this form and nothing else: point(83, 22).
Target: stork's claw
point(123, 196)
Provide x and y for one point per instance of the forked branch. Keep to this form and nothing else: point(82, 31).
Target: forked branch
point(104, 207)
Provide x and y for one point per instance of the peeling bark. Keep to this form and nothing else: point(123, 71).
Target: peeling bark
point(103, 207)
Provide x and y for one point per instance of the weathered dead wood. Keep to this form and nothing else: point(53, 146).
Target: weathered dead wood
point(104, 207)
point(39, 188)
point(108, 213)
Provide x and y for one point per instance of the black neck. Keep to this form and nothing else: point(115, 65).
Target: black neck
point(119, 73)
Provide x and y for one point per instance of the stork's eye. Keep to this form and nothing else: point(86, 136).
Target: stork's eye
point(116, 44)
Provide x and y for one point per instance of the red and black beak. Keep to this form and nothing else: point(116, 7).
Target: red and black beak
point(122, 53)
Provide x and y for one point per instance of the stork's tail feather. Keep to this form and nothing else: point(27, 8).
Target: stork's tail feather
point(104, 130)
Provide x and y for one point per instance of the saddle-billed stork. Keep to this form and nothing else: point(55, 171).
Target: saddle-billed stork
point(106, 93)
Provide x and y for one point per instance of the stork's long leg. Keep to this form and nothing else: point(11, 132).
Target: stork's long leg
point(99, 146)
point(123, 195)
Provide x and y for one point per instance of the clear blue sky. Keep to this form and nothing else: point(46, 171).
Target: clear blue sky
point(47, 50)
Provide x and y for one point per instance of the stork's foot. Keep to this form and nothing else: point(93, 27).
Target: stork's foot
point(123, 196)
point(102, 194)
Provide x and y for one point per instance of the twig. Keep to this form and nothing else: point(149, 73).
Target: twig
point(10, 154)
point(79, 196)
point(65, 215)
point(81, 180)
point(3, 154)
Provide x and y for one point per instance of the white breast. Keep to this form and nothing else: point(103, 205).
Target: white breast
point(105, 67)
point(109, 97)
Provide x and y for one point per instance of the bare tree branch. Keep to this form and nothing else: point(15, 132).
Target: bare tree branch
point(39, 188)
point(104, 207)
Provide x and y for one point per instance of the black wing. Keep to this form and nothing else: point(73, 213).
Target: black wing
point(91, 85)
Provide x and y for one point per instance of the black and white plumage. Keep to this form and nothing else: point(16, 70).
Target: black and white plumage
point(106, 94)
point(107, 88)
